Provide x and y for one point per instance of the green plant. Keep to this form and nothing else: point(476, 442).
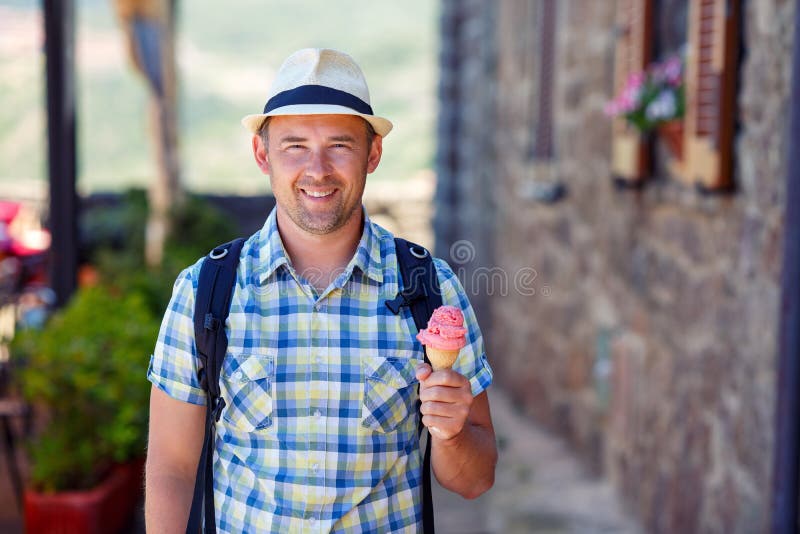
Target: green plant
point(115, 238)
point(86, 370)
point(199, 227)
point(85, 373)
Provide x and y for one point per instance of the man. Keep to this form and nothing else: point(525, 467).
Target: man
point(319, 432)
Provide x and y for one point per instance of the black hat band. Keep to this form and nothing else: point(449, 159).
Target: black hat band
point(317, 94)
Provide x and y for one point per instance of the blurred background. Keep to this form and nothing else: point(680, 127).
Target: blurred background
point(226, 55)
point(613, 183)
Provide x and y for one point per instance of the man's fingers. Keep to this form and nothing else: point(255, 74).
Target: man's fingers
point(423, 371)
point(442, 427)
point(445, 409)
point(460, 395)
point(446, 399)
point(437, 421)
point(445, 377)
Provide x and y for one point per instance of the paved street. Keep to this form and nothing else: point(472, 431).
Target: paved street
point(539, 488)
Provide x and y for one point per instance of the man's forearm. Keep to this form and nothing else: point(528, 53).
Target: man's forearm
point(465, 464)
point(173, 452)
point(167, 502)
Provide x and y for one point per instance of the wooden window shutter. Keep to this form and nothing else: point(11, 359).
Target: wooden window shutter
point(542, 145)
point(710, 94)
point(629, 155)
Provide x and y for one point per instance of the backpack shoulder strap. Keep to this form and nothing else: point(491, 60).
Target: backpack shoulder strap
point(422, 294)
point(212, 306)
point(420, 289)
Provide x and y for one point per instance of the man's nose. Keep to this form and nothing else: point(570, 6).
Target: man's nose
point(318, 164)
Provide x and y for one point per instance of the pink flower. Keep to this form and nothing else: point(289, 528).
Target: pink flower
point(635, 81)
point(650, 95)
point(629, 99)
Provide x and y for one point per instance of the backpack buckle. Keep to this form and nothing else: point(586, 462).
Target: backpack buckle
point(210, 322)
point(405, 298)
point(218, 253)
point(396, 303)
point(418, 251)
point(219, 404)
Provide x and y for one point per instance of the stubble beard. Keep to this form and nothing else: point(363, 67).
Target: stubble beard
point(325, 222)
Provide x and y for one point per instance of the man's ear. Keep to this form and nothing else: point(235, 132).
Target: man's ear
point(260, 154)
point(375, 152)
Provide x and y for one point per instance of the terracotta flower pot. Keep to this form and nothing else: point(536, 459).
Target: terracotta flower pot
point(671, 133)
point(106, 508)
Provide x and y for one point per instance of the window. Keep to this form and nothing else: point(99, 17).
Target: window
point(710, 94)
point(630, 161)
point(653, 29)
point(671, 28)
point(541, 141)
point(670, 42)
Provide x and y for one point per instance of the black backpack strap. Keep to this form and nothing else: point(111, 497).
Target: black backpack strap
point(211, 308)
point(421, 293)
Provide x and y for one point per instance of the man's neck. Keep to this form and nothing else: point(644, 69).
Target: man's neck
point(320, 258)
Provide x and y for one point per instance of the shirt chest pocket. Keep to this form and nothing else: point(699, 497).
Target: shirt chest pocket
point(390, 393)
point(249, 379)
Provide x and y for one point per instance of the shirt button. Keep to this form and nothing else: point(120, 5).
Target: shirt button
point(318, 360)
point(315, 467)
point(239, 376)
point(312, 519)
point(317, 414)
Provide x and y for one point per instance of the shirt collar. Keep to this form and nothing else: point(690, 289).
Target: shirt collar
point(272, 253)
point(368, 254)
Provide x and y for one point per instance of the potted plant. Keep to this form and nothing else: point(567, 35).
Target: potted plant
point(654, 99)
point(84, 373)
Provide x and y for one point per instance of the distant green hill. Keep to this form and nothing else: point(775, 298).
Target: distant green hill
point(227, 54)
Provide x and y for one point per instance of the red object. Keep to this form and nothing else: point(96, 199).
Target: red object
point(8, 210)
point(88, 275)
point(106, 508)
point(671, 133)
point(21, 249)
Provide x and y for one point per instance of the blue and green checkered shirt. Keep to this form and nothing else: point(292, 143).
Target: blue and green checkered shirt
point(320, 429)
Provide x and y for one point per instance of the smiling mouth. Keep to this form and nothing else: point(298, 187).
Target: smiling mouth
point(318, 194)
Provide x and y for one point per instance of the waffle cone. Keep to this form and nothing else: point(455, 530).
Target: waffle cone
point(441, 359)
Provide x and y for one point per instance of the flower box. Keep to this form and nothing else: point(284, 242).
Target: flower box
point(104, 509)
point(652, 97)
point(671, 133)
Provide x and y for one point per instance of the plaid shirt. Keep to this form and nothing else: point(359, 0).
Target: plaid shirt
point(320, 429)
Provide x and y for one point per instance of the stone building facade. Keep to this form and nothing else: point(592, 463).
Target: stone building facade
point(640, 323)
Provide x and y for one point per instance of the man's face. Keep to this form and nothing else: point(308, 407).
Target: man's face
point(318, 166)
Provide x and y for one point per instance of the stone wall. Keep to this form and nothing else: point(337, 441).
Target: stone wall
point(649, 339)
point(466, 181)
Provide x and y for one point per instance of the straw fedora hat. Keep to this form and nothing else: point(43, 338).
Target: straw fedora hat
point(319, 81)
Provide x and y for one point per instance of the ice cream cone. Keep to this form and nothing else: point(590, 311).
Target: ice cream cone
point(444, 337)
point(441, 359)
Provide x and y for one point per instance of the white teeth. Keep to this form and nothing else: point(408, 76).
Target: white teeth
point(318, 194)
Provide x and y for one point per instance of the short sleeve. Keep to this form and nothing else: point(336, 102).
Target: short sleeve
point(173, 364)
point(471, 362)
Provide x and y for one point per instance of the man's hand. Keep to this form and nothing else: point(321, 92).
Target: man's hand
point(463, 453)
point(446, 399)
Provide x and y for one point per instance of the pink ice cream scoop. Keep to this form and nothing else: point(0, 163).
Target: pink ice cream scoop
point(444, 337)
